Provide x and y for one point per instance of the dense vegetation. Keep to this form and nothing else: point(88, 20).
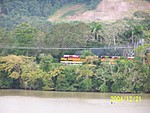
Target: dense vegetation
point(125, 76)
point(74, 34)
point(24, 23)
point(36, 12)
point(39, 7)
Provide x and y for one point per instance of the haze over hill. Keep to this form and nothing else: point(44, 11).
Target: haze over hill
point(105, 10)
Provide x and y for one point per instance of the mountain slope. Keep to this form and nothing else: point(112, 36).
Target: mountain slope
point(106, 10)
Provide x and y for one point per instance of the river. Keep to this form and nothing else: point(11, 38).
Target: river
point(26, 101)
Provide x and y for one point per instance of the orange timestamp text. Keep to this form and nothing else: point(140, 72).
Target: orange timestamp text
point(125, 98)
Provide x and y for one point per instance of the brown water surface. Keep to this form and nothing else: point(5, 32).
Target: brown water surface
point(25, 101)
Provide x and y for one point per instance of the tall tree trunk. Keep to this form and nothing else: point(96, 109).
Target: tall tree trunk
point(114, 42)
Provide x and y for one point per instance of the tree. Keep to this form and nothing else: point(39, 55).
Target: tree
point(46, 62)
point(103, 73)
point(137, 33)
point(24, 34)
point(11, 65)
point(11, 70)
point(31, 77)
point(86, 53)
point(5, 38)
point(67, 80)
point(95, 27)
point(85, 74)
point(66, 35)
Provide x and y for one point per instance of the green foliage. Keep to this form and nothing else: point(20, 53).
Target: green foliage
point(110, 34)
point(5, 37)
point(24, 23)
point(103, 73)
point(95, 27)
point(86, 53)
point(141, 14)
point(85, 74)
point(92, 60)
point(11, 65)
point(10, 68)
point(39, 8)
point(18, 13)
point(38, 32)
point(5, 80)
point(104, 88)
point(31, 78)
point(24, 34)
point(46, 62)
point(120, 84)
point(123, 77)
point(67, 80)
point(47, 82)
point(67, 35)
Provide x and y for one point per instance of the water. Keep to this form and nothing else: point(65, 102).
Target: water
point(24, 101)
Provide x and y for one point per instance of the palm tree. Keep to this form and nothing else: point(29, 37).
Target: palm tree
point(136, 33)
point(95, 27)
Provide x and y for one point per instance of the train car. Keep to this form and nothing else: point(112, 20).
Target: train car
point(130, 58)
point(77, 60)
point(109, 59)
point(71, 60)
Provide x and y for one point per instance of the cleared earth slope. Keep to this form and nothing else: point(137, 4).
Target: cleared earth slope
point(106, 10)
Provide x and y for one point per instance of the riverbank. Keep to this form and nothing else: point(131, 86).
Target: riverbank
point(125, 76)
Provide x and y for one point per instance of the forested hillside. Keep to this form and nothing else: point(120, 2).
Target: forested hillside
point(14, 12)
point(38, 7)
point(24, 23)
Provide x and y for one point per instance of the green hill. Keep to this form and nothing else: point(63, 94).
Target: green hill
point(73, 23)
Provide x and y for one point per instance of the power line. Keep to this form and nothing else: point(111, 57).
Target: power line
point(55, 48)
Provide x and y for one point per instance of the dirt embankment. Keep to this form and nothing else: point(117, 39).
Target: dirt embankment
point(110, 10)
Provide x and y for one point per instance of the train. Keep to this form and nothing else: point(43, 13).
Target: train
point(72, 59)
point(78, 60)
